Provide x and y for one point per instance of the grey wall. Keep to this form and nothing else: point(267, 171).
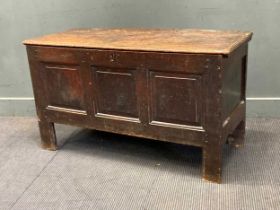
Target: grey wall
point(21, 19)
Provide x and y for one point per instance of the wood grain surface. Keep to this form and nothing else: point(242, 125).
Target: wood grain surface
point(162, 40)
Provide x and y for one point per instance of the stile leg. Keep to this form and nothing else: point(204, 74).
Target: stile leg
point(238, 135)
point(48, 137)
point(212, 163)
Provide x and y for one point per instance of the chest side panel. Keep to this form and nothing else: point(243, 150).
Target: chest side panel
point(234, 80)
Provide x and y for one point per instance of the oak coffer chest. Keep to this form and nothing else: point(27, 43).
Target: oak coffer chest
point(184, 86)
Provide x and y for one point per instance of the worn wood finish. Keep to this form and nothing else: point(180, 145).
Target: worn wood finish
point(163, 40)
point(181, 86)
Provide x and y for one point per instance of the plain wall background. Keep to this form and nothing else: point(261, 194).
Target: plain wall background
point(22, 19)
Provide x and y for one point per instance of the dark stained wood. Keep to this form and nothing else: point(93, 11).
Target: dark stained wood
point(190, 90)
point(212, 160)
point(115, 91)
point(238, 135)
point(175, 98)
point(63, 85)
point(48, 137)
point(234, 82)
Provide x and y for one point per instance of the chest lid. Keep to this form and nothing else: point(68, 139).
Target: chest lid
point(161, 40)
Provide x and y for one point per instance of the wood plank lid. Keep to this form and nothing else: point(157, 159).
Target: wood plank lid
point(162, 40)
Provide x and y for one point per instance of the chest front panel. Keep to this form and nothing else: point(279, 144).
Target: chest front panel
point(140, 90)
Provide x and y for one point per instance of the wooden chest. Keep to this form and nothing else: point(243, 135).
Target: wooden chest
point(184, 86)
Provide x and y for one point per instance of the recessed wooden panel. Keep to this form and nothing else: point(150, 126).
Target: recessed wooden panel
point(233, 84)
point(115, 93)
point(175, 99)
point(63, 86)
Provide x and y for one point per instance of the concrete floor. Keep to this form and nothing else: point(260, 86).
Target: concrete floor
point(96, 170)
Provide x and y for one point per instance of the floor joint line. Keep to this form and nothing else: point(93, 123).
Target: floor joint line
point(36, 177)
